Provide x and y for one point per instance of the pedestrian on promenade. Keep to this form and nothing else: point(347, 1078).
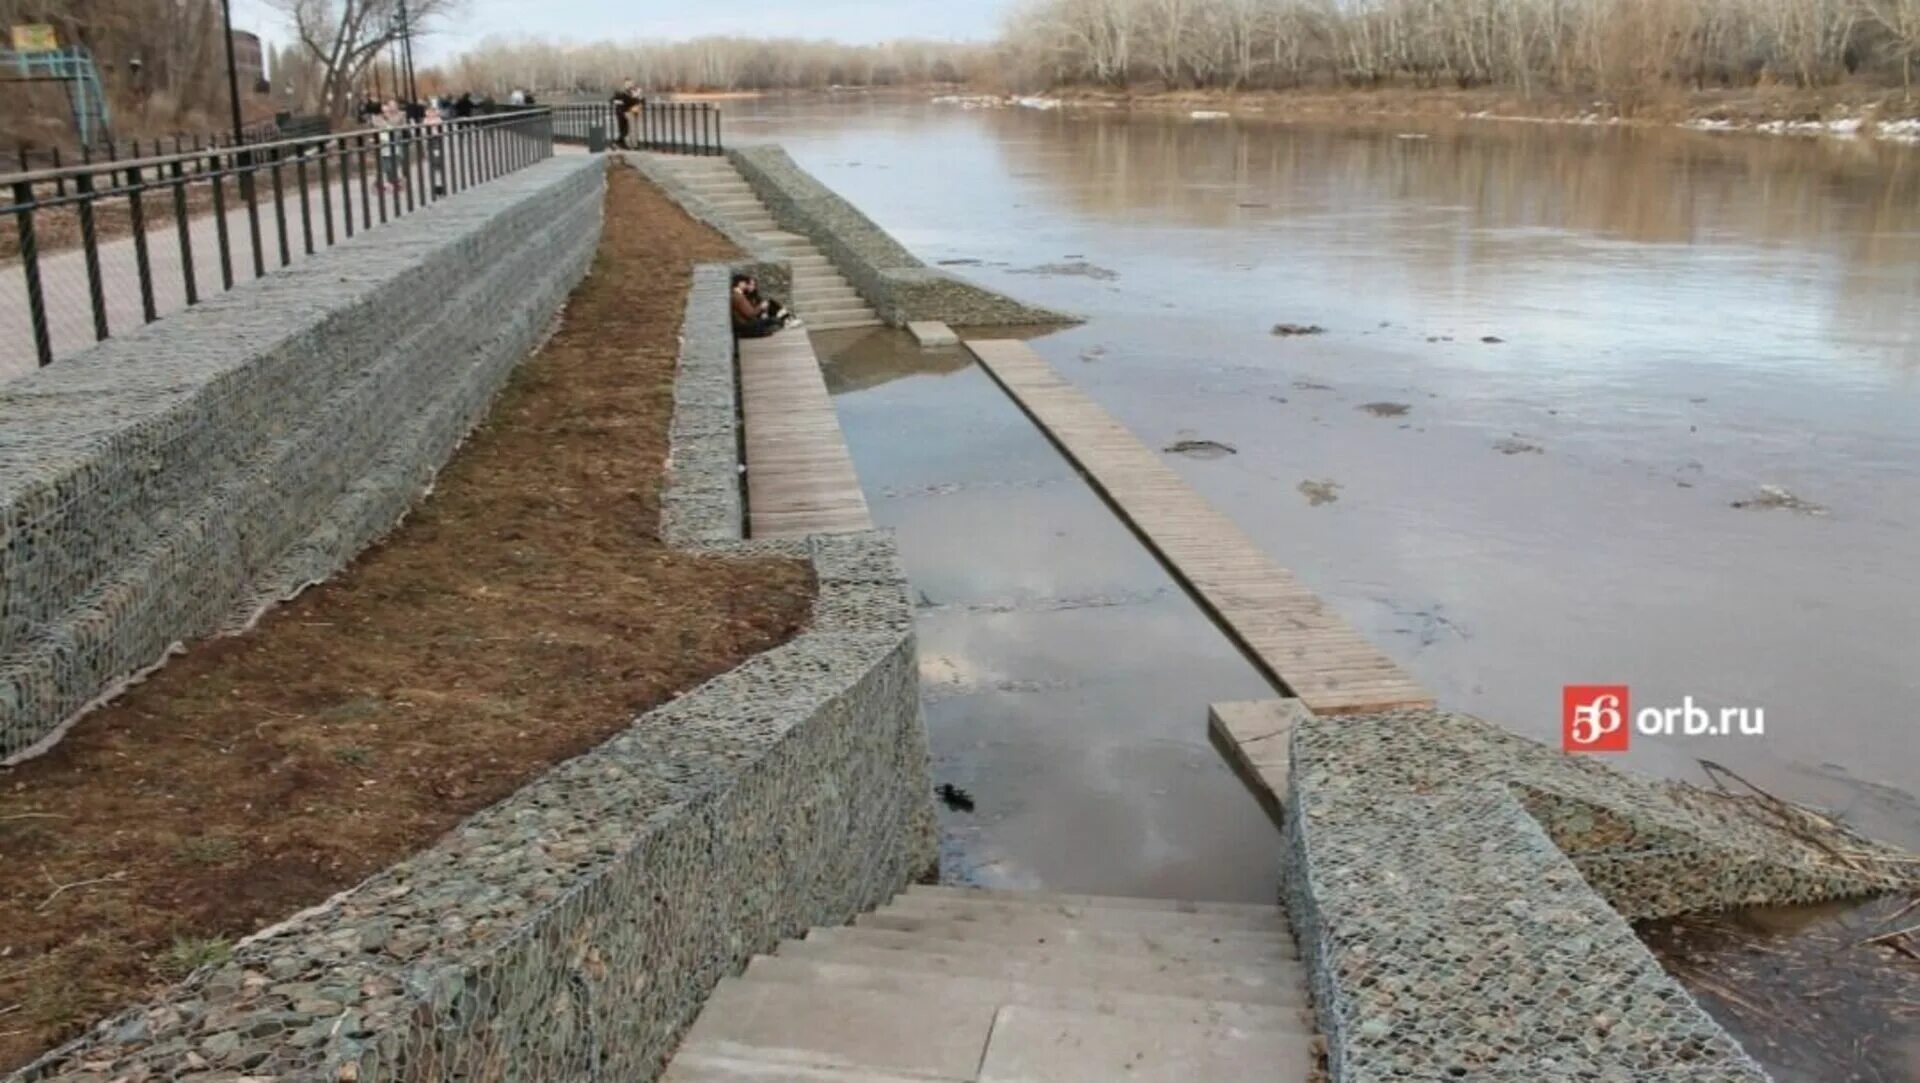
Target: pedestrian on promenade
point(464, 107)
point(388, 125)
point(436, 149)
point(626, 105)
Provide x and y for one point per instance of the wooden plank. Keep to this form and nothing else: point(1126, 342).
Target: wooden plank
point(800, 479)
point(1255, 736)
point(1305, 647)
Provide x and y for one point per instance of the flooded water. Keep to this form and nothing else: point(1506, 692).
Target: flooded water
point(1684, 319)
point(1554, 405)
point(1064, 676)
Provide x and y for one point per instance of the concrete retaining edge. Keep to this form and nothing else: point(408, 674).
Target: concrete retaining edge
point(574, 929)
point(897, 284)
point(177, 479)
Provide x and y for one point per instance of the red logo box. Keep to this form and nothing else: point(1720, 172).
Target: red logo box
point(1594, 717)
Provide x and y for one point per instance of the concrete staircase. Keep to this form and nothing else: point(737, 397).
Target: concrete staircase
point(960, 985)
point(821, 296)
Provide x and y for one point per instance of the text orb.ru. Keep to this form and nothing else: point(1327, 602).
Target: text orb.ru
point(1595, 717)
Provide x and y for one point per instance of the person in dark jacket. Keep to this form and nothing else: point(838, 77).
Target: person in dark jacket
point(464, 107)
point(626, 105)
point(755, 316)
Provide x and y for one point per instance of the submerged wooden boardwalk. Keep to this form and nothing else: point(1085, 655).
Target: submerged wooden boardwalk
point(1303, 646)
point(800, 479)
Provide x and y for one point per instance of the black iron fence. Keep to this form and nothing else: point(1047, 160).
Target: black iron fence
point(669, 127)
point(104, 246)
point(28, 159)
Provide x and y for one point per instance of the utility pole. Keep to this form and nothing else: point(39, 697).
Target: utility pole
point(233, 73)
point(406, 50)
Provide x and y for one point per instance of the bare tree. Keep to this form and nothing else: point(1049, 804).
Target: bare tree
point(345, 37)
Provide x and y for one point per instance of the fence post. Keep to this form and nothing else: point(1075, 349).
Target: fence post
point(142, 263)
point(186, 233)
point(90, 248)
point(30, 262)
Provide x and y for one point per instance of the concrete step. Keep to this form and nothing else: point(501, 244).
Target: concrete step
point(828, 321)
point(990, 912)
point(1107, 902)
point(1040, 1045)
point(826, 296)
point(817, 279)
point(1019, 931)
point(961, 1039)
point(1279, 983)
point(823, 310)
point(692, 1067)
point(1208, 957)
point(855, 1028)
point(932, 986)
point(842, 325)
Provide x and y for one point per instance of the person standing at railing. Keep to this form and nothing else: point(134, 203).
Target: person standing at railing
point(387, 125)
point(436, 149)
point(464, 107)
point(626, 105)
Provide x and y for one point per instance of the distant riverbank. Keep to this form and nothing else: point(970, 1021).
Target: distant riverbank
point(1840, 111)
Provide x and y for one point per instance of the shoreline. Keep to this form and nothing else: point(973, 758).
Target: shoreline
point(1879, 115)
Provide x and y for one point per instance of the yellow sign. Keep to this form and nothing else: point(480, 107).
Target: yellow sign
point(35, 38)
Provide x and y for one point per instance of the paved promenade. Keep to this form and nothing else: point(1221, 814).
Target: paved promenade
point(63, 273)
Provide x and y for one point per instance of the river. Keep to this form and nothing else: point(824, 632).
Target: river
point(1592, 406)
point(1683, 319)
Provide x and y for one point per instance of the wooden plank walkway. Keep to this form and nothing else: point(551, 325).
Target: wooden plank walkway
point(800, 479)
point(1304, 647)
point(1256, 738)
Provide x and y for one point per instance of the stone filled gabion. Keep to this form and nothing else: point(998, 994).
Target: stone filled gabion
point(175, 479)
point(899, 286)
point(1462, 897)
point(573, 930)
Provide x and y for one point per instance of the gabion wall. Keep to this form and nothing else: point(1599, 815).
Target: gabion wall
point(573, 930)
point(897, 284)
point(1462, 896)
point(170, 481)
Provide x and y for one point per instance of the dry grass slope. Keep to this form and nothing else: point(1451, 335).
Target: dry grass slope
point(523, 614)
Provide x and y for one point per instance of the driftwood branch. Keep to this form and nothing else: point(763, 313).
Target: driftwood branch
point(62, 889)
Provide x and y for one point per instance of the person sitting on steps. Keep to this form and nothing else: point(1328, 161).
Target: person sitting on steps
point(755, 316)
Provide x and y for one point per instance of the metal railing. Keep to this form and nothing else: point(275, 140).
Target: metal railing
point(668, 127)
point(31, 159)
point(95, 252)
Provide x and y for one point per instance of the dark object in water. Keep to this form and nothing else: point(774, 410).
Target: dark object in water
point(1201, 449)
point(954, 797)
point(1288, 330)
point(1385, 409)
point(1492, 340)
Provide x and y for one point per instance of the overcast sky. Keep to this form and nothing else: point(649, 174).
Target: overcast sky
point(625, 20)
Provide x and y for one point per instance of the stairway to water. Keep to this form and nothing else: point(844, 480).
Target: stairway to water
point(821, 295)
point(973, 986)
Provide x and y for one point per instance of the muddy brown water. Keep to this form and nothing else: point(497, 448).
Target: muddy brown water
point(1661, 428)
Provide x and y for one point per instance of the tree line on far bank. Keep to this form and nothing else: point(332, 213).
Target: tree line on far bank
point(1627, 51)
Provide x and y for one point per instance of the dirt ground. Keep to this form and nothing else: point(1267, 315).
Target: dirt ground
point(520, 616)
